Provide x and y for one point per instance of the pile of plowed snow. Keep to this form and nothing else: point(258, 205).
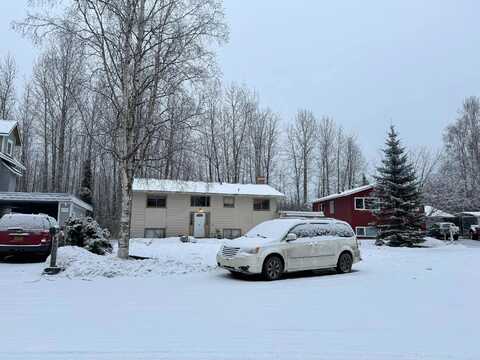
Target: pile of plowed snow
point(164, 257)
point(435, 243)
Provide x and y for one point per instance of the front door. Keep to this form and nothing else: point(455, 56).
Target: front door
point(199, 220)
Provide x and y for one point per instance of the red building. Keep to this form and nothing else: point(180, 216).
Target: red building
point(353, 206)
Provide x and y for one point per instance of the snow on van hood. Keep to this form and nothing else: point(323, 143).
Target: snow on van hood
point(248, 242)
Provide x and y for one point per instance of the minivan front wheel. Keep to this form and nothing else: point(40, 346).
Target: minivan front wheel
point(272, 268)
point(344, 264)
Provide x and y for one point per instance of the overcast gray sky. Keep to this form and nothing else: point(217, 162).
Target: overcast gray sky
point(365, 63)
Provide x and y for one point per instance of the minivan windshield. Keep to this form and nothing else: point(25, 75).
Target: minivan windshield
point(272, 229)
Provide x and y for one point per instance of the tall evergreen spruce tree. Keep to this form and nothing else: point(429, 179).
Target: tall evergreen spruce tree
point(86, 193)
point(400, 217)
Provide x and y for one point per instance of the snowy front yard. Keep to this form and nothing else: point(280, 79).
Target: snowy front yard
point(399, 304)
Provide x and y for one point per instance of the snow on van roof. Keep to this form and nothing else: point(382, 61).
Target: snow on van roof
point(344, 193)
point(7, 126)
point(193, 187)
point(277, 227)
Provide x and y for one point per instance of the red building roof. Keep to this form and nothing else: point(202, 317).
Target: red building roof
point(344, 193)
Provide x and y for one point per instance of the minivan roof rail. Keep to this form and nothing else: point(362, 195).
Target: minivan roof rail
point(301, 214)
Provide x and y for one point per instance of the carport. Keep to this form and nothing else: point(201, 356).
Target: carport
point(466, 219)
point(58, 205)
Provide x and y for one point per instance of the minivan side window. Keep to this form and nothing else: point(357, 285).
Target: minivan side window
point(343, 230)
point(323, 229)
point(303, 230)
point(312, 230)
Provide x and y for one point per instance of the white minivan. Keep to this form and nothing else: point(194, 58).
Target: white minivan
point(288, 245)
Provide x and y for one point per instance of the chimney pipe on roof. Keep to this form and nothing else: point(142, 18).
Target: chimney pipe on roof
point(261, 180)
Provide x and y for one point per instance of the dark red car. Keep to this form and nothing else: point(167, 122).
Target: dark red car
point(26, 234)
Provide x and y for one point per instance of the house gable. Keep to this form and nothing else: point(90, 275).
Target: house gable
point(9, 139)
point(9, 129)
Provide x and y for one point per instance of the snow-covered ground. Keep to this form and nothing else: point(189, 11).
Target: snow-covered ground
point(164, 257)
point(398, 304)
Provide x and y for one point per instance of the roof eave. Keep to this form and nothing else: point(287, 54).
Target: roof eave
point(338, 196)
point(281, 196)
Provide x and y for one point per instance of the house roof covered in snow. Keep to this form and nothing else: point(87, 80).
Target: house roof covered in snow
point(43, 197)
point(344, 193)
point(193, 187)
point(8, 127)
point(430, 211)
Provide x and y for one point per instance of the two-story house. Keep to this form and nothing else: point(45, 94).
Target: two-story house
point(163, 208)
point(354, 206)
point(10, 168)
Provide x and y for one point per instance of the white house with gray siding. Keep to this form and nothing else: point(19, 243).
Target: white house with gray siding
point(163, 208)
point(10, 168)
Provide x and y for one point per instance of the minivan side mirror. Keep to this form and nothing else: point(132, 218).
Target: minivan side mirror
point(291, 237)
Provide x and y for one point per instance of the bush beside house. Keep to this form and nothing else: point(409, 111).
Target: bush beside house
point(86, 233)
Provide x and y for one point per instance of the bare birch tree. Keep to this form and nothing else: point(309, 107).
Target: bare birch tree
point(304, 132)
point(146, 51)
point(8, 71)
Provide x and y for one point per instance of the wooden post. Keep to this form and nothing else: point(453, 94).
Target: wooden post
point(53, 269)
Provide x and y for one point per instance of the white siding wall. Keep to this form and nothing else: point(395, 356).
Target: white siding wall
point(176, 217)
point(139, 204)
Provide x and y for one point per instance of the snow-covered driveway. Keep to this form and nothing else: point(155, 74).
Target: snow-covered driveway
point(399, 304)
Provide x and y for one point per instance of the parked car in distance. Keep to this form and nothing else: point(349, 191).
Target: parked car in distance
point(26, 234)
point(474, 232)
point(442, 230)
point(288, 245)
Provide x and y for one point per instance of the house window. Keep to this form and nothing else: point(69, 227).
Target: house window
point(332, 207)
point(321, 207)
point(366, 203)
point(10, 147)
point(156, 201)
point(231, 233)
point(261, 204)
point(366, 231)
point(200, 201)
point(228, 202)
point(154, 233)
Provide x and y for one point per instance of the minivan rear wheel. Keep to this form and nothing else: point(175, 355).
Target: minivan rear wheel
point(272, 268)
point(344, 264)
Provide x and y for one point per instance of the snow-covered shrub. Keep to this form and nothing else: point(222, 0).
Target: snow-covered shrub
point(187, 239)
point(86, 233)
